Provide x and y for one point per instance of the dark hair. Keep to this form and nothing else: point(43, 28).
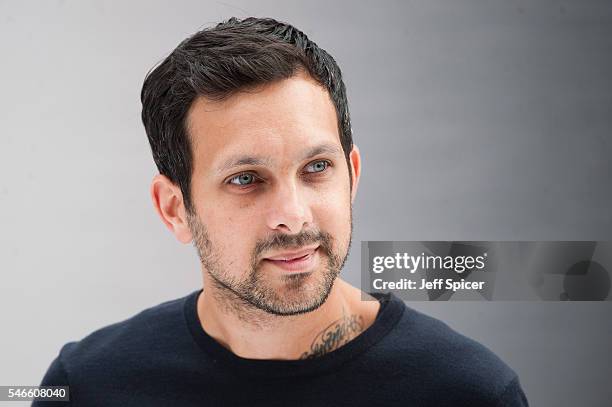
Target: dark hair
point(216, 63)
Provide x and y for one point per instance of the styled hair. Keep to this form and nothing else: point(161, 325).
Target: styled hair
point(217, 62)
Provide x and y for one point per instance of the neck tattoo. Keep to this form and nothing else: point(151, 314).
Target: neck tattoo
point(335, 335)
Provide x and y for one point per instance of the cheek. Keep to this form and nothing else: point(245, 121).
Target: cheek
point(334, 217)
point(231, 226)
point(234, 254)
point(227, 218)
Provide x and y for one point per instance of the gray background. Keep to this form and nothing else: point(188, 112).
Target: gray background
point(476, 121)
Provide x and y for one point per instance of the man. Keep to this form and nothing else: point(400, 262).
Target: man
point(249, 127)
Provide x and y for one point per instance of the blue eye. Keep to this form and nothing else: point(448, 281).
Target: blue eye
point(242, 179)
point(318, 166)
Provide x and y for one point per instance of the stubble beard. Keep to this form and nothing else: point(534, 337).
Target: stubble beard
point(295, 294)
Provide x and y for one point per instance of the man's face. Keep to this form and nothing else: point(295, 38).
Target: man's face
point(271, 194)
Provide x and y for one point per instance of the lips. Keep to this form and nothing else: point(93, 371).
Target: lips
point(293, 255)
point(301, 261)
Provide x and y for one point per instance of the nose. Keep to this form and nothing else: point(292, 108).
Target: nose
point(289, 210)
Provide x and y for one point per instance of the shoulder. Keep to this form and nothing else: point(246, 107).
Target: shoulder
point(154, 330)
point(446, 365)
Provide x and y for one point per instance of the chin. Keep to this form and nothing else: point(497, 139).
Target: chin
point(300, 293)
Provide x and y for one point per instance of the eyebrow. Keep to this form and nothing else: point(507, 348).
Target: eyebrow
point(239, 160)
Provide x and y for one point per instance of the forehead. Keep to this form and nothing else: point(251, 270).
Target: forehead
point(282, 119)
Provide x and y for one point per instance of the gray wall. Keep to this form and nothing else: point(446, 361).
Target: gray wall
point(476, 121)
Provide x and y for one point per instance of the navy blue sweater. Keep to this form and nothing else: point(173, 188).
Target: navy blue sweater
point(163, 357)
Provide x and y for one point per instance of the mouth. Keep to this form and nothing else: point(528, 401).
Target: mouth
point(299, 261)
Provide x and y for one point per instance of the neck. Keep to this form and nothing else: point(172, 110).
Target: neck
point(251, 333)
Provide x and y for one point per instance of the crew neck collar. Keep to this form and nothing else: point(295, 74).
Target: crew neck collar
point(391, 310)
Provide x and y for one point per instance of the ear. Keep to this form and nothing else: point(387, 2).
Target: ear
point(168, 202)
point(355, 158)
